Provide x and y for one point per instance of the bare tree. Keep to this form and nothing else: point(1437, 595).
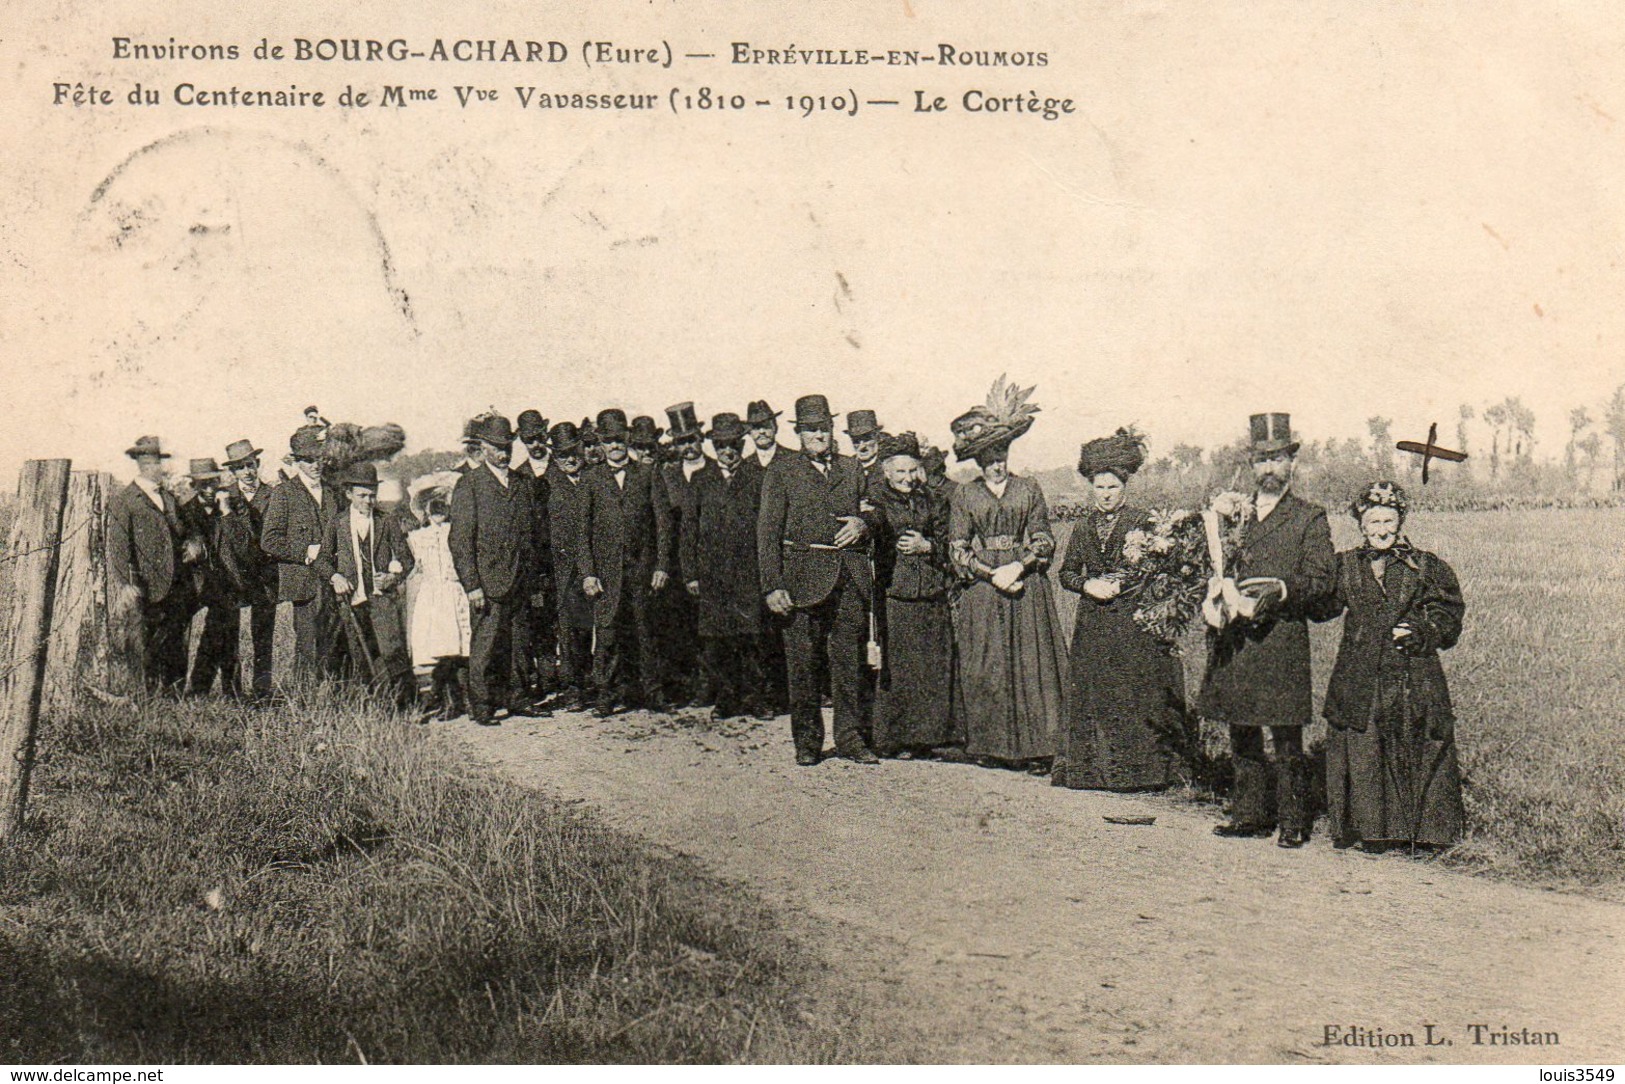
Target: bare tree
point(1579, 421)
point(1522, 420)
point(1464, 415)
point(1591, 447)
point(1497, 416)
point(1615, 421)
point(1382, 444)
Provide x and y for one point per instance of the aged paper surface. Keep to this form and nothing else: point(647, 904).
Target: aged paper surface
point(1167, 214)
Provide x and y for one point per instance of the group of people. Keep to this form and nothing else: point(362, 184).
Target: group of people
point(615, 564)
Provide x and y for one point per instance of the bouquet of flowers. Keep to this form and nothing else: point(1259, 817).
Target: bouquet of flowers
point(1168, 567)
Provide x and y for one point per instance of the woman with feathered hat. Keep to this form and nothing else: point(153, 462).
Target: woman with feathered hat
point(1126, 700)
point(1010, 683)
point(1391, 772)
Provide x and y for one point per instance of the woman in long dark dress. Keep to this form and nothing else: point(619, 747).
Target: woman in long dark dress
point(913, 713)
point(1126, 700)
point(1011, 693)
point(1391, 771)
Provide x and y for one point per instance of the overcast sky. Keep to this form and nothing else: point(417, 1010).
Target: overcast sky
point(1331, 209)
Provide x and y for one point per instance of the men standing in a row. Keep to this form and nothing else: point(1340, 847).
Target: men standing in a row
point(566, 490)
point(719, 569)
point(296, 517)
point(1258, 661)
point(364, 559)
point(814, 571)
point(147, 552)
point(619, 564)
point(491, 545)
point(250, 569)
point(677, 627)
point(535, 653)
point(765, 449)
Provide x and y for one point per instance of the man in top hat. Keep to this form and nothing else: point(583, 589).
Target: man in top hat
point(645, 440)
point(216, 591)
point(674, 613)
point(566, 491)
point(364, 559)
point(719, 569)
point(618, 560)
point(251, 571)
point(148, 549)
point(296, 517)
point(810, 555)
point(535, 652)
point(492, 546)
point(762, 425)
point(864, 431)
point(1258, 656)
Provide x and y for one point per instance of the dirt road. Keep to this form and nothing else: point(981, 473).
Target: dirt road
point(1015, 924)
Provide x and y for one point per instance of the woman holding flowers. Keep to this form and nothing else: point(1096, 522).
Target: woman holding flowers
point(1391, 771)
point(1126, 696)
point(1011, 690)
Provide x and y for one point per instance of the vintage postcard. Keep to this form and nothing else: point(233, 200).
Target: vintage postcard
point(917, 531)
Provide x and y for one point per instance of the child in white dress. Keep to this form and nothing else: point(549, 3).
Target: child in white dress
point(441, 628)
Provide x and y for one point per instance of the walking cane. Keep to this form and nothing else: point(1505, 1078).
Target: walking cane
point(360, 639)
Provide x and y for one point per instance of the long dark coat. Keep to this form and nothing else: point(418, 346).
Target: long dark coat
point(619, 539)
point(564, 500)
point(1258, 670)
point(914, 700)
point(541, 535)
point(799, 513)
point(294, 521)
point(490, 538)
point(1126, 726)
point(251, 570)
point(720, 551)
point(1391, 771)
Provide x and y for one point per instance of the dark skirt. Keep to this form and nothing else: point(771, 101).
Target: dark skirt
point(1391, 783)
point(1126, 726)
point(913, 703)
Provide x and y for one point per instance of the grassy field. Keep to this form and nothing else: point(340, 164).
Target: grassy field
point(326, 883)
point(1537, 681)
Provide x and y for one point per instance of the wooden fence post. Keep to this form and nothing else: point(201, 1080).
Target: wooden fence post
point(28, 586)
point(82, 653)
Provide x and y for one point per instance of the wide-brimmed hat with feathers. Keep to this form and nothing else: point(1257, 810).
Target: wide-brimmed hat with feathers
point(1006, 415)
point(347, 443)
point(1122, 454)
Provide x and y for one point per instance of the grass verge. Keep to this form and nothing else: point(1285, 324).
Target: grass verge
point(321, 882)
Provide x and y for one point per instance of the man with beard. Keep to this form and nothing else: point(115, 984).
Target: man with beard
point(1258, 655)
point(536, 649)
point(762, 422)
point(491, 545)
point(814, 571)
point(719, 569)
point(645, 441)
point(295, 520)
point(566, 490)
point(677, 619)
point(251, 570)
point(592, 448)
point(618, 562)
point(864, 431)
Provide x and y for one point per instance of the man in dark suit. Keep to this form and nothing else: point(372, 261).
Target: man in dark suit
point(813, 570)
point(1258, 655)
point(645, 440)
point(295, 519)
point(618, 560)
point(676, 620)
point(148, 551)
point(204, 516)
point(863, 429)
point(764, 450)
point(719, 569)
point(251, 571)
point(566, 490)
point(536, 651)
point(364, 559)
point(492, 520)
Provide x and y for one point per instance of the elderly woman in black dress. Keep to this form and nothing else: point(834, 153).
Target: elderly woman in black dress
point(1126, 701)
point(1391, 772)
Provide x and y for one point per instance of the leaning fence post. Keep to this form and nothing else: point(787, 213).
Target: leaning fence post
point(28, 586)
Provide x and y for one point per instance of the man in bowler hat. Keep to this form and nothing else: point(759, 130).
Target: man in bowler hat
point(764, 449)
point(618, 560)
point(492, 521)
point(675, 615)
point(296, 517)
point(1258, 658)
point(566, 490)
point(810, 555)
point(148, 551)
point(864, 431)
point(535, 652)
point(204, 516)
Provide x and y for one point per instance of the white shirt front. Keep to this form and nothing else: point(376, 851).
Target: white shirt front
point(315, 488)
point(1265, 503)
point(692, 467)
point(501, 475)
point(150, 488)
point(360, 545)
point(620, 475)
point(764, 456)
